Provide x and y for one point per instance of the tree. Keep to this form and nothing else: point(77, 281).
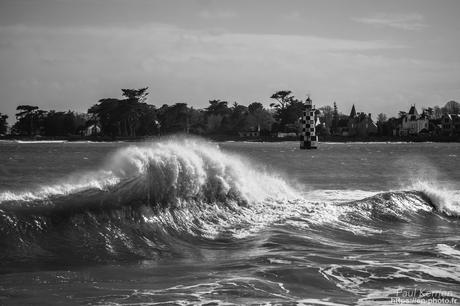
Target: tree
point(283, 97)
point(381, 121)
point(148, 121)
point(259, 118)
point(3, 123)
point(138, 95)
point(29, 120)
point(107, 115)
point(287, 109)
point(255, 107)
point(125, 117)
point(237, 119)
point(60, 123)
point(218, 107)
point(381, 117)
point(327, 117)
point(452, 107)
point(216, 116)
point(174, 118)
point(197, 121)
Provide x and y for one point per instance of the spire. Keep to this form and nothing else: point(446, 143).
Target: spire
point(413, 110)
point(353, 112)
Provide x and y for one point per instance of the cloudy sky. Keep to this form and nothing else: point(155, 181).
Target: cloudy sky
point(382, 56)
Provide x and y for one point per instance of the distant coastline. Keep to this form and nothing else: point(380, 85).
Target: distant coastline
point(131, 118)
point(223, 138)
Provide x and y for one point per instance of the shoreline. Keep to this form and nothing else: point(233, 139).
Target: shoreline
point(227, 138)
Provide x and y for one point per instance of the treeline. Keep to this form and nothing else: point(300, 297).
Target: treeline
point(3, 124)
point(132, 116)
point(31, 121)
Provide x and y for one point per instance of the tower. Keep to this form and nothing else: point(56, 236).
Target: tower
point(308, 138)
point(353, 112)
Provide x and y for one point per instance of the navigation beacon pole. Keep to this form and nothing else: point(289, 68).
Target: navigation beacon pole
point(308, 138)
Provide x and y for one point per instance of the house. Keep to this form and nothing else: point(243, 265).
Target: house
point(413, 123)
point(284, 135)
point(361, 124)
point(250, 132)
point(92, 130)
point(450, 124)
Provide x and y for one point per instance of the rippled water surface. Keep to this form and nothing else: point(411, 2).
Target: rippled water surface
point(189, 222)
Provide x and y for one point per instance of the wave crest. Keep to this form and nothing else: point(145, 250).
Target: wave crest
point(147, 198)
point(194, 170)
point(443, 199)
point(139, 203)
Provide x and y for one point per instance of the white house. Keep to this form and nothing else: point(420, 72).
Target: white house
point(413, 123)
point(92, 130)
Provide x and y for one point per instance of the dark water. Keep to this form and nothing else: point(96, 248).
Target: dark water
point(188, 222)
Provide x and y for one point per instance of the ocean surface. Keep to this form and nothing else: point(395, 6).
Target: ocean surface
point(185, 222)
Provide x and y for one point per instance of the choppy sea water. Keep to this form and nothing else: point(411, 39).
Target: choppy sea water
point(183, 222)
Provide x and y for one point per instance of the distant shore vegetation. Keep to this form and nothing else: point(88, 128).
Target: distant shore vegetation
point(131, 116)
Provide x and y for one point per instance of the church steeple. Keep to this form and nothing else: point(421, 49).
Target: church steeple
point(353, 112)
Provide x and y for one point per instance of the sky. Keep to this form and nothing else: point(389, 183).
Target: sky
point(382, 56)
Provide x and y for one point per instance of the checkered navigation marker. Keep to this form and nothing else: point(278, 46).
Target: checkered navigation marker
point(308, 138)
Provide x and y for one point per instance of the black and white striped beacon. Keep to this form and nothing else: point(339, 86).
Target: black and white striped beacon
point(308, 138)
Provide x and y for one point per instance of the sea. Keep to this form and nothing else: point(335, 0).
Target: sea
point(186, 221)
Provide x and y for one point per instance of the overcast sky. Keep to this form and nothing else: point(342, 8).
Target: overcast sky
point(382, 56)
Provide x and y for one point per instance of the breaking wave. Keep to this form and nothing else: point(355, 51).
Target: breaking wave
point(141, 201)
point(157, 199)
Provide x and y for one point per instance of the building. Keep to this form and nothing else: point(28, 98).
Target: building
point(450, 124)
point(413, 123)
point(309, 120)
point(252, 131)
point(249, 133)
point(360, 124)
point(92, 130)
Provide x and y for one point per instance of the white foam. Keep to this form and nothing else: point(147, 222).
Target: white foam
point(189, 167)
point(98, 180)
point(445, 199)
point(215, 191)
point(41, 141)
point(448, 250)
